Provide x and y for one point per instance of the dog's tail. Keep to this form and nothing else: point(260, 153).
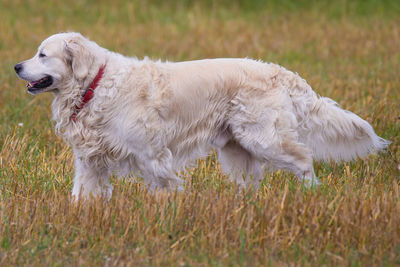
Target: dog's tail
point(333, 133)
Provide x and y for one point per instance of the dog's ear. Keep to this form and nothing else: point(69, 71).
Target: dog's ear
point(79, 56)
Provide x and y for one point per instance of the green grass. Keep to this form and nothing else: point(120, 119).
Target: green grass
point(346, 50)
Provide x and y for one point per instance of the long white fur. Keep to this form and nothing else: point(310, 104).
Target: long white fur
point(157, 117)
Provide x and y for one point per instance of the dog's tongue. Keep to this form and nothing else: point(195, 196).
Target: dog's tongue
point(31, 84)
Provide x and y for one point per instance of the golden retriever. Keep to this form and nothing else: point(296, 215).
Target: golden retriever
point(123, 114)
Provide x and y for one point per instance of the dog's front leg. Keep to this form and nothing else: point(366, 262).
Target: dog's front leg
point(89, 180)
point(157, 171)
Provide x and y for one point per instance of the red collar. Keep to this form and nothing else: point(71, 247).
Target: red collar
point(89, 93)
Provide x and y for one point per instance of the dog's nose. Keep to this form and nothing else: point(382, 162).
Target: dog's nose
point(18, 68)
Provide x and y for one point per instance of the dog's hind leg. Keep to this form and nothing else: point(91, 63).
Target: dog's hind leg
point(269, 135)
point(244, 168)
point(284, 153)
point(297, 158)
point(287, 154)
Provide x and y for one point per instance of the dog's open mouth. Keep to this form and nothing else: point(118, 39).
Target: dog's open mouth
point(40, 84)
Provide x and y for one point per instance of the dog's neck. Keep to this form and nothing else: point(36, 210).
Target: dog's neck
point(89, 93)
point(65, 101)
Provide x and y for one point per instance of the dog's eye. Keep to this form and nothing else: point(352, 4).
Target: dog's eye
point(42, 55)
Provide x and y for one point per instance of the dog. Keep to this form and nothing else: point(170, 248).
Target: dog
point(123, 114)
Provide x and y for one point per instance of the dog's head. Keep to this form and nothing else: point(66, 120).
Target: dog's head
point(60, 58)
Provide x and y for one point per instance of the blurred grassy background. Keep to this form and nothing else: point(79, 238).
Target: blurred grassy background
point(346, 50)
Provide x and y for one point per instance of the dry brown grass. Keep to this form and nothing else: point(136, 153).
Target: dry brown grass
point(353, 218)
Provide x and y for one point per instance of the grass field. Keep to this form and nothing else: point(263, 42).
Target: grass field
point(346, 50)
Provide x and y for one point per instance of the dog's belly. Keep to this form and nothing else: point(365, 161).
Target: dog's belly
point(190, 142)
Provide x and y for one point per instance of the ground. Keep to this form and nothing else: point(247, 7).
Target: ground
point(346, 50)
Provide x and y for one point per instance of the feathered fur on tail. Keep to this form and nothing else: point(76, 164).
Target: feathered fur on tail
point(334, 133)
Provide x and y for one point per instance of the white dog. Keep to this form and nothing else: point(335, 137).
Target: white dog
point(123, 114)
